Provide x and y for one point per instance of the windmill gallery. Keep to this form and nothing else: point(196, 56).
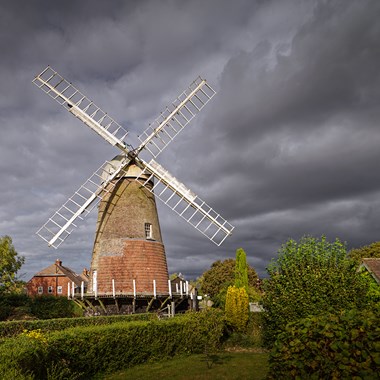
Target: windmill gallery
point(128, 268)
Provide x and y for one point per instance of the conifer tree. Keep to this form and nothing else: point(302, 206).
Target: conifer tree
point(237, 308)
point(241, 270)
point(237, 301)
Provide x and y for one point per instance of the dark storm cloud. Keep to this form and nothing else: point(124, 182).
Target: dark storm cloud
point(288, 146)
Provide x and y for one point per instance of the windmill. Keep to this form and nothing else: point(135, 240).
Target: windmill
point(128, 254)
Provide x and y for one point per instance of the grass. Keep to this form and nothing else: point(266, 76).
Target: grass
point(224, 365)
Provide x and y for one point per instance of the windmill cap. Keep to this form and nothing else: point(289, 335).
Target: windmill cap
point(132, 171)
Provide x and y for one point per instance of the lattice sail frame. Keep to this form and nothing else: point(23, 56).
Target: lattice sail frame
point(184, 202)
point(176, 117)
point(65, 94)
point(62, 223)
point(154, 139)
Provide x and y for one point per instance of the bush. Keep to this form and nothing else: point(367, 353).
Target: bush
point(237, 308)
point(10, 302)
point(13, 328)
point(42, 307)
point(310, 277)
point(343, 346)
point(85, 351)
point(254, 329)
point(250, 338)
point(22, 358)
point(49, 307)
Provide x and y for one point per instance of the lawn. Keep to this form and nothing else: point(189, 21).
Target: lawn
point(225, 365)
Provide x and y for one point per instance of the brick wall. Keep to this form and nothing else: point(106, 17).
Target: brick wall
point(142, 261)
point(45, 282)
point(121, 250)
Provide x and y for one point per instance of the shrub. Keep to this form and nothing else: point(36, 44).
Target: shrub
point(342, 346)
point(49, 307)
point(42, 307)
point(22, 358)
point(237, 308)
point(12, 328)
point(254, 329)
point(310, 277)
point(85, 351)
point(10, 302)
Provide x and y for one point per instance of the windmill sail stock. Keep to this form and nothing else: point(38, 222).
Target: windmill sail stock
point(81, 107)
point(153, 140)
point(61, 224)
point(176, 117)
point(184, 202)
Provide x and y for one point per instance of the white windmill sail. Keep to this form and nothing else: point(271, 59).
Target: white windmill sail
point(175, 117)
point(60, 225)
point(154, 139)
point(81, 107)
point(184, 202)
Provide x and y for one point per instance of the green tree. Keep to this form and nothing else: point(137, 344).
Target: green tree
point(237, 300)
point(215, 281)
point(309, 277)
point(10, 264)
point(241, 269)
point(367, 251)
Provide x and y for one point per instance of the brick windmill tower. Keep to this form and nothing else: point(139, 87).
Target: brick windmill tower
point(128, 255)
point(128, 236)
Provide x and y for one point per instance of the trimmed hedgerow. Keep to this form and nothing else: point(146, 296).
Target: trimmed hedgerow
point(343, 346)
point(13, 328)
point(49, 307)
point(42, 307)
point(86, 351)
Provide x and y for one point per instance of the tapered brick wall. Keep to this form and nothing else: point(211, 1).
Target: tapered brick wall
point(121, 251)
point(142, 261)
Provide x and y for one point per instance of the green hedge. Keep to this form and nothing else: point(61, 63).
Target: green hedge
point(13, 328)
point(343, 346)
point(11, 302)
point(42, 307)
point(49, 307)
point(83, 352)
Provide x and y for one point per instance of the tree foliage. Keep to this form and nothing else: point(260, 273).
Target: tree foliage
point(367, 251)
point(215, 281)
point(342, 345)
point(241, 269)
point(236, 308)
point(237, 300)
point(310, 277)
point(10, 264)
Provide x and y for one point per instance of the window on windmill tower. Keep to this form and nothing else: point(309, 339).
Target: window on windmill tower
point(148, 231)
point(40, 289)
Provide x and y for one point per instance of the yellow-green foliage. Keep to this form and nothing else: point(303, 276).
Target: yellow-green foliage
point(82, 352)
point(35, 334)
point(237, 307)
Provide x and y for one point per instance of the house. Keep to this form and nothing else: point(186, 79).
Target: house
point(372, 265)
point(178, 285)
point(57, 280)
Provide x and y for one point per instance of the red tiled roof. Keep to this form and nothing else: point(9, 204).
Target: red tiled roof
point(373, 267)
point(57, 269)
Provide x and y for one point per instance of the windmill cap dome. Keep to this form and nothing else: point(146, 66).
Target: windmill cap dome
point(132, 170)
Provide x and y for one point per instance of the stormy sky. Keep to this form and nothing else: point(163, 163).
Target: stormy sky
point(289, 146)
